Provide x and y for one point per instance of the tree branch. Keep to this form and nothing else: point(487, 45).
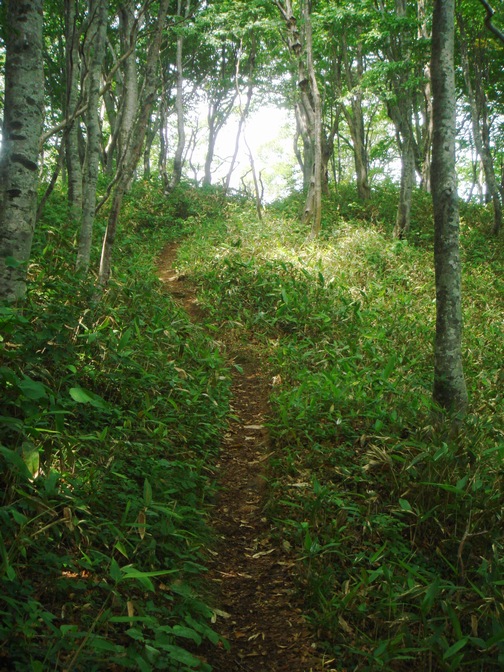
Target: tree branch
point(488, 21)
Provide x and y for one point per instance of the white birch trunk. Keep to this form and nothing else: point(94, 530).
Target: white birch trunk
point(22, 128)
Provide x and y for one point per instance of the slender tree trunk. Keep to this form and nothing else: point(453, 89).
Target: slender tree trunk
point(424, 33)
point(73, 162)
point(212, 140)
point(178, 159)
point(403, 217)
point(241, 123)
point(137, 138)
point(244, 109)
point(129, 101)
point(95, 52)
point(308, 109)
point(449, 385)
point(54, 178)
point(163, 119)
point(477, 107)
point(313, 207)
point(220, 105)
point(355, 120)
point(354, 71)
point(112, 117)
point(306, 158)
point(22, 127)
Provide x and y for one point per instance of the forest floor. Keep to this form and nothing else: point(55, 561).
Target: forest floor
point(252, 572)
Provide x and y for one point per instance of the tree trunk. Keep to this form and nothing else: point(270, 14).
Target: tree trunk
point(220, 105)
point(22, 127)
point(94, 53)
point(135, 143)
point(426, 137)
point(313, 207)
point(355, 121)
point(306, 158)
point(178, 159)
point(212, 140)
point(73, 161)
point(354, 70)
point(244, 109)
point(449, 385)
point(477, 105)
point(308, 109)
point(403, 217)
point(129, 101)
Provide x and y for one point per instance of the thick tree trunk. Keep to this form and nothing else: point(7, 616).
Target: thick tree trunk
point(94, 54)
point(22, 127)
point(449, 385)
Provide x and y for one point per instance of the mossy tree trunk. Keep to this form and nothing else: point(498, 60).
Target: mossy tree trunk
point(449, 384)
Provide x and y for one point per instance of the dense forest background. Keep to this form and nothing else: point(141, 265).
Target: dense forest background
point(345, 255)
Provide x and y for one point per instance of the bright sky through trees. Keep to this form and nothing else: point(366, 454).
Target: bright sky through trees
point(268, 133)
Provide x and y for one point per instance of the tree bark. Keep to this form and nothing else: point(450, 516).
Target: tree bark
point(403, 217)
point(313, 206)
point(355, 119)
point(129, 100)
point(478, 109)
point(136, 142)
point(244, 109)
point(22, 127)
point(308, 109)
point(220, 106)
point(426, 129)
point(178, 159)
point(449, 389)
point(71, 133)
point(94, 51)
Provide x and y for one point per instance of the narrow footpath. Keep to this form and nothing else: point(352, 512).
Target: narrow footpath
point(253, 574)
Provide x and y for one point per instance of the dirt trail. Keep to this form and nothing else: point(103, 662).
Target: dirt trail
point(252, 573)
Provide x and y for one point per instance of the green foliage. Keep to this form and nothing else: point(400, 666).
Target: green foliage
point(396, 520)
point(148, 208)
point(111, 417)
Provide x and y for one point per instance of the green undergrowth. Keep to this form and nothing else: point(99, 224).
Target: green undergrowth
point(397, 523)
point(111, 417)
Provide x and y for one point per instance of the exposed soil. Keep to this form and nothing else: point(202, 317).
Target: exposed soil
point(253, 574)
